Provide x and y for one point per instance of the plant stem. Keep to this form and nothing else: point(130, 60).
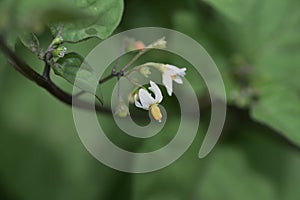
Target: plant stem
point(45, 83)
point(119, 89)
point(137, 56)
point(108, 78)
point(133, 82)
point(46, 73)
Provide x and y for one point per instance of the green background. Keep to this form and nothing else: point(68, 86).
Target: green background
point(255, 44)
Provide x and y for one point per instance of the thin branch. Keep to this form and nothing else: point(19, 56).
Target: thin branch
point(47, 84)
point(119, 89)
point(46, 73)
point(137, 56)
point(133, 82)
point(157, 44)
point(108, 77)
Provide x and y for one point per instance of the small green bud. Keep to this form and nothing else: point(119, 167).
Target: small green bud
point(122, 110)
point(145, 71)
point(59, 52)
point(57, 41)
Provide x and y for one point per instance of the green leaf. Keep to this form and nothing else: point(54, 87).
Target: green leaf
point(33, 15)
point(72, 66)
point(267, 38)
point(30, 41)
point(105, 16)
point(278, 107)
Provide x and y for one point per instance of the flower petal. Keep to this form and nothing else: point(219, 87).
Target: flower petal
point(155, 89)
point(175, 70)
point(172, 67)
point(137, 104)
point(145, 98)
point(167, 81)
point(178, 80)
point(182, 72)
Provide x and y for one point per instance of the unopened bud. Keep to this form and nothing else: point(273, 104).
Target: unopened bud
point(139, 45)
point(122, 110)
point(59, 52)
point(159, 44)
point(133, 45)
point(132, 95)
point(158, 66)
point(145, 71)
point(57, 41)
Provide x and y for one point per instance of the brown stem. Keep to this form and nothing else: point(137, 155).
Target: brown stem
point(45, 82)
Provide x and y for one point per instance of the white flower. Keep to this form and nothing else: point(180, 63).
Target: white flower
point(147, 102)
point(171, 73)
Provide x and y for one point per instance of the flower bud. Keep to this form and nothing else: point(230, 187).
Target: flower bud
point(159, 44)
point(59, 52)
point(57, 41)
point(122, 110)
point(139, 45)
point(145, 71)
point(133, 45)
point(132, 94)
point(158, 66)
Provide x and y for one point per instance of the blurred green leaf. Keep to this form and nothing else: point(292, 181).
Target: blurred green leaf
point(17, 16)
point(105, 17)
point(82, 18)
point(267, 38)
point(33, 15)
point(72, 66)
point(267, 41)
point(277, 108)
point(30, 41)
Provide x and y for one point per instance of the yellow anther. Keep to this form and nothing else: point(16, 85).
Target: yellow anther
point(156, 113)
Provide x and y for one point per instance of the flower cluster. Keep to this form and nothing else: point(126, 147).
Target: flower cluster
point(170, 73)
point(58, 51)
point(147, 102)
point(140, 96)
